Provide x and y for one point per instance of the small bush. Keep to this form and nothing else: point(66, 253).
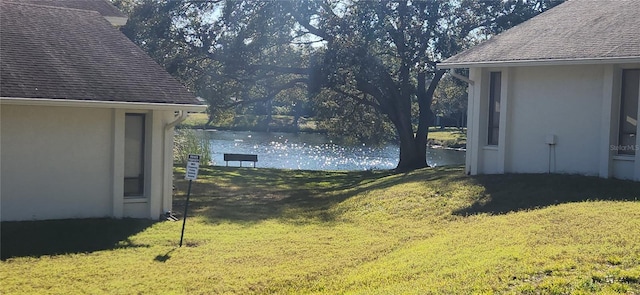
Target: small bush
point(187, 141)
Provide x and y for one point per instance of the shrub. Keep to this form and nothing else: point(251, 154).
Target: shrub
point(188, 141)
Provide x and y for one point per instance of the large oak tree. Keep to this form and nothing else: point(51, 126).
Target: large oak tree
point(374, 57)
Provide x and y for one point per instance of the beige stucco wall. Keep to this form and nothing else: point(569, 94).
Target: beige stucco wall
point(66, 162)
point(578, 104)
point(55, 162)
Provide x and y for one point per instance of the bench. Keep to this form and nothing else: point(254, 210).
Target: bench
point(241, 158)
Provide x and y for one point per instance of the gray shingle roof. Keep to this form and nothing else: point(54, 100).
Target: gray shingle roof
point(574, 30)
point(60, 53)
point(104, 7)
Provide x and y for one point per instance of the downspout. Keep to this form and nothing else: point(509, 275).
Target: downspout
point(182, 115)
point(168, 163)
point(470, 152)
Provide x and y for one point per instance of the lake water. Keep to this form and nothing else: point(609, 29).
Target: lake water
point(310, 151)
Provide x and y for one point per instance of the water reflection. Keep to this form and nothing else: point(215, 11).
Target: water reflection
point(307, 151)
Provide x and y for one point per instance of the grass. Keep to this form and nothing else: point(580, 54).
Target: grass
point(432, 231)
point(195, 120)
point(448, 137)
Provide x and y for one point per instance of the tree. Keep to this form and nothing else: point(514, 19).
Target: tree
point(450, 99)
point(365, 57)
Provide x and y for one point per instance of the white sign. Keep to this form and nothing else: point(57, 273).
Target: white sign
point(193, 163)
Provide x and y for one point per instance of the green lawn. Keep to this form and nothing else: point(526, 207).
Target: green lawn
point(195, 120)
point(448, 137)
point(432, 231)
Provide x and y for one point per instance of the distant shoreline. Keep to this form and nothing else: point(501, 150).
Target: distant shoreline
point(447, 139)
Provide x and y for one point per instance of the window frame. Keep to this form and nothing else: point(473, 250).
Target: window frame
point(140, 188)
point(628, 149)
point(495, 98)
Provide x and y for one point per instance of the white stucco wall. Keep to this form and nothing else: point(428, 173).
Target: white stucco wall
point(67, 162)
point(561, 101)
point(623, 168)
point(55, 162)
point(578, 104)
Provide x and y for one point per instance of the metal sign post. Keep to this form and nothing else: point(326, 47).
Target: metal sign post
point(193, 164)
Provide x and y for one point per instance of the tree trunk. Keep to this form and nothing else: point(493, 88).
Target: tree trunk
point(411, 157)
point(413, 148)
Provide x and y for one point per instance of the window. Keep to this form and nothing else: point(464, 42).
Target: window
point(134, 155)
point(627, 137)
point(494, 108)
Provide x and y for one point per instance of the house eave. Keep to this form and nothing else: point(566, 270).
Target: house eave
point(539, 62)
point(117, 21)
point(101, 104)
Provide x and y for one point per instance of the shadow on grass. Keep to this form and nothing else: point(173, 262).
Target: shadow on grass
point(163, 258)
point(517, 192)
point(53, 237)
point(247, 195)
point(250, 195)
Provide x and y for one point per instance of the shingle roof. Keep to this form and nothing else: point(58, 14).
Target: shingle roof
point(104, 7)
point(574, 30)
point(60, 53)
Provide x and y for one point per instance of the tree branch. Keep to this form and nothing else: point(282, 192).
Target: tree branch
point(357, 98)
point(305, 23)
point(279, 69)
point(271, 95)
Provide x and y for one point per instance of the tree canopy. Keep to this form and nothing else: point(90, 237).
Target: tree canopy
point(365, 66)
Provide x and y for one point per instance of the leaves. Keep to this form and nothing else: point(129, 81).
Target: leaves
point(374, 59)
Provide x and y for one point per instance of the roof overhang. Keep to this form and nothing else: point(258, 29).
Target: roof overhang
point(117, 21)
point(539, 62)
point(102, 104)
